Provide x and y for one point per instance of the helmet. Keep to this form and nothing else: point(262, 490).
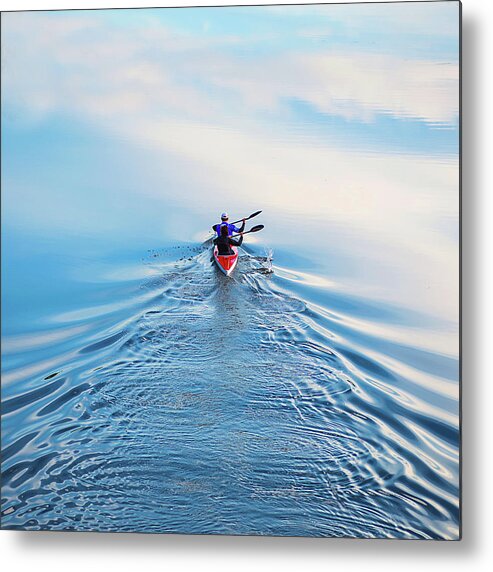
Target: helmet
point(224, 216)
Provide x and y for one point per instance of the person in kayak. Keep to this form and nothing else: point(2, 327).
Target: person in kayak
point(231, 227)
point(224, 242)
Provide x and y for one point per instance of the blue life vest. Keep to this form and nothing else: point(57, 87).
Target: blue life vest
point(231, 228)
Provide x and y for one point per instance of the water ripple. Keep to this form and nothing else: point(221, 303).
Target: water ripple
point(207, 404)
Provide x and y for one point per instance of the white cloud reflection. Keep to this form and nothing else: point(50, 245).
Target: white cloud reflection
point(81, 63)
point(209, 99)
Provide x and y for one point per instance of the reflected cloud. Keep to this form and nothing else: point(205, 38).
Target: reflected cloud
point(82, 64)
point(218, 93)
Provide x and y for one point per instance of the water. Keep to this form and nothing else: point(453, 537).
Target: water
point(155, 394)
point(315, 392)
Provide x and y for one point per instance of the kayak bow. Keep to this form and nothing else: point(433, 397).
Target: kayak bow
point(226, 263)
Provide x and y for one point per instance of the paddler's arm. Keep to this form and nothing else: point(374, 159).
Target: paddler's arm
point(234, 228)
point(235, 242)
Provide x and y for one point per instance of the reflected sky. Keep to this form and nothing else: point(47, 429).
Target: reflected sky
point(135, 127)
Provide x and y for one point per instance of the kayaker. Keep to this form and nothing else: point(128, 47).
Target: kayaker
point(224, 242)
point(231, 227)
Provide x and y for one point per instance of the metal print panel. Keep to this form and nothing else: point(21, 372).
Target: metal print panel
point(230, 270)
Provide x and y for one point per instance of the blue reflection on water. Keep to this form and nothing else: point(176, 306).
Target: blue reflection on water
point(152, 393)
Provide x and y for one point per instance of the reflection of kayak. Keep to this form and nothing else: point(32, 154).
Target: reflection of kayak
point(226, 263)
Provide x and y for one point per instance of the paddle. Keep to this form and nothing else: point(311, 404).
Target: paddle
point(247, 218)
point(254, 229)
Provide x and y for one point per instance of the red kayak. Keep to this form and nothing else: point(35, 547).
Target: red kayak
point(226, 263)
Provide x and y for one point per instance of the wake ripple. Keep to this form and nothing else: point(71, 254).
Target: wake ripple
point(231, 406)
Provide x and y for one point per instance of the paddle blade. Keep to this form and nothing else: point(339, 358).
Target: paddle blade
point(256, 228)
point(254, 214)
